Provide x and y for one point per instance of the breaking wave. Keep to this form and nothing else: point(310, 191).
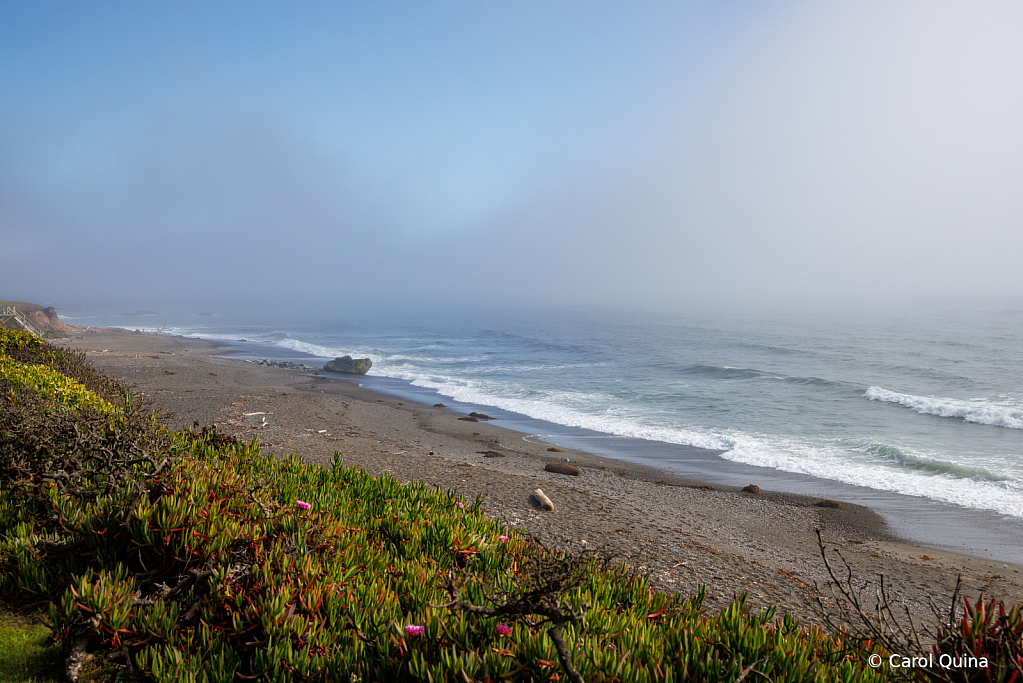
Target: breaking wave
point(1005, 413)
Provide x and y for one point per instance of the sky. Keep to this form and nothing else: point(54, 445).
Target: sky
point(649, 154)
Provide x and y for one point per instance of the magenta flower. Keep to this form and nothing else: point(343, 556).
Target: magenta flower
point(302, 504)
point(503, 537)
point(414, 631)
point(459, 505)
point(503, 630)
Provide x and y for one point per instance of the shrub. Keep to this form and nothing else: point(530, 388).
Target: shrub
point(50, 384)
point(985, 631)
point(25, 347)
point(218, 573)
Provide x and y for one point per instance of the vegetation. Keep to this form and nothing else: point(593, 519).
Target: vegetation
point(51, 385)
point(25, 651)
point(23, 306)
point(25, 347)
point(188, 556)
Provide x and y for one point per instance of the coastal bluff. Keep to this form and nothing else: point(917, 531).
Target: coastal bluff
point(42, 318)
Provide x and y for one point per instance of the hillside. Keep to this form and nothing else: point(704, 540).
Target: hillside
point(44, 318)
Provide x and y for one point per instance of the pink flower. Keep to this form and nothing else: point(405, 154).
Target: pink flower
point(415, 631)
point(302, 504)
point(503, 538)
point(503, 630)
point(459, 505)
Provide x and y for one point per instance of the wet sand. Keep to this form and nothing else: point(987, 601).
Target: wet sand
point(683, 533)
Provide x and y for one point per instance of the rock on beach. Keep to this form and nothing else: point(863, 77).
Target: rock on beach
point(349, 365)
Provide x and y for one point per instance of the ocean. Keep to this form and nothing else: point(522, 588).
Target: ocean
point(922, 409)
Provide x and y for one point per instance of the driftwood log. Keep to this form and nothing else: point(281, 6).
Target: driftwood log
point(545, 503)
point(561, 468)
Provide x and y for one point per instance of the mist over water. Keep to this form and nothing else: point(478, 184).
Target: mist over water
point(780, 153)
point(927, 405)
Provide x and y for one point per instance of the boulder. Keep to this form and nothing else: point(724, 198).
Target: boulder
point(349, 365)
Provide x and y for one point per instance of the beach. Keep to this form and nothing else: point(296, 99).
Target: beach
point(684, 533)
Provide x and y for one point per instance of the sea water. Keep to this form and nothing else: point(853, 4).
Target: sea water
point(925, 405)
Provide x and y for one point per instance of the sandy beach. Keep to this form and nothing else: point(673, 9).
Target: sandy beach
point(682, 533)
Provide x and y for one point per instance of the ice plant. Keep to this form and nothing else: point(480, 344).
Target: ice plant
point(459, 505)
point(503, 630)
point(415, 631)
point(302, 504)
point(503, 537)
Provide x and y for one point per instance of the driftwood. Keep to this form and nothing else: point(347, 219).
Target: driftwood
point(561, 468)
point(78, 656)
point(545, 503)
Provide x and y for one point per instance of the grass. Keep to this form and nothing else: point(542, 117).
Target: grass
point(22, 306)
point(26, 656)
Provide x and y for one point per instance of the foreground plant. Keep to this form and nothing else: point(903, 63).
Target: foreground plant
point(984, 644)
point(218, 575)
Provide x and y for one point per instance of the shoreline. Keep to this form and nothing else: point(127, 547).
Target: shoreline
point(680, 530)
point(908, 518)
point(924, 522)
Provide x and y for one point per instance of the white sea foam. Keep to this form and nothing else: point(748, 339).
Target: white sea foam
point(319, 350)
point(572, 409)
point(1004, 413)
point(832, 461)
point(827, 461)
point(282, 341)
point(946, 482)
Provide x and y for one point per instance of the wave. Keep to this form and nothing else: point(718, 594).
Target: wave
point(1006, 413)
point(729, 372)
point(897, 456)
point(726, 372)
point(923, 478)
point(875, 466)
point(282, 340)
point(568, 408)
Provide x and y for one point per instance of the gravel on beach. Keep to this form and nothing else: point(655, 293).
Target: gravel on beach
point(682, 533)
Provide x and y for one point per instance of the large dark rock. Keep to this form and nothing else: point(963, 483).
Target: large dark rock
point(349, 365)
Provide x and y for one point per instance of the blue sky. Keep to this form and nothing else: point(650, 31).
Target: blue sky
point(663, 154)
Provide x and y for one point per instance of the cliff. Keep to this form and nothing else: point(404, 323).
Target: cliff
point(43, 318)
